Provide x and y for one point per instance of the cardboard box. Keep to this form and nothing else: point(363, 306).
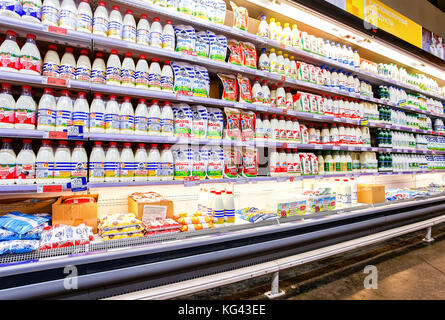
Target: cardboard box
point(75, 214)
point(370, 193)
point(27, 205)
point(138, 207)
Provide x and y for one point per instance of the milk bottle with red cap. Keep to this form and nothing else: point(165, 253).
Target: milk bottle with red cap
point(143, 30)
point(100, 20)
point(154, 75)
point(167, 77)
point(7, 163)
point(51, 62)
point(84, 17)
point(141, 163)
point(83, 67)
point(51, 12)
point(68, 15)
point(168, 36)
point(99, 70)
point(166, 170)
point(81, 112)
point(46, 114)
point(128, 71)
point(25, 170)
point(154, 159)
point(30, 59)
point(115, 23)
point(156, 33)
point(142, 71)
point(126, 117)
point(141, 118)
point(97, 114)
point(62, 163)
point(45, 164)
point(64, 109)
point(114, 69)
point(79, 161)
point(25, 110)
point(10, 53)
point(154, 119)
point(68, 66)
point(7, 107)
point(96, 165)
point(111, 165)
point(112, 123)
point(129, 27)
point(126, 164)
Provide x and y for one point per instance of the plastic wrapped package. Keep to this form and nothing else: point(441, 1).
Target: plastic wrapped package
point(245, 90)
point(199, 162)
point(33, 234)
point(18, 246)
point(59, 236)
point(161, 225)
point(202, 44)
point(21, 223)
point(256, 215)
point(195, 220)
point(215, 123)
point(248, 119)
point(236, 52)
point(201, 82)
point(118, 220)
point(215, 163)
point(240, 17)
point(249, 55)
point(123, 236)
point(146, 196)
point(250, 162)
point(184, 77)
point(230, 88)
point(183, 120)
point(199, 121)
point(113, 231)
point(217, 46)
point(185, 38)
point(182, 158)
point(196, 227)
point(233, 124)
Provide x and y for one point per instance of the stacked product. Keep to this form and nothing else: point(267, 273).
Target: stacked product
point(194, 221)
point(161, 226)
point(60, 236)
point(120, 226)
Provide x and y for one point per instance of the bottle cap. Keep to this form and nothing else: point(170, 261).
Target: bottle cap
point(98, 143)
point(68, 49)
point(116, 8)
point(141, 100)
point(84, 52)
point(99, 55)
point(127, 144)
point(31, 36)
point(143, 56)
point(128, 54)
point(114, 51)
point(141, 145)
point(113, 144)
point(144, 16)
point(79, 143)
point(11, 33)
point(129, 11)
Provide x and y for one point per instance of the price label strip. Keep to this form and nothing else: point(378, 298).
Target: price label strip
point(191, 181)
point(41, 188)
point(75, 132)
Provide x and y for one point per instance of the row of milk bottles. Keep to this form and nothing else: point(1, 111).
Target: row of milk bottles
point(342, 162)
point(25, 60)
point(126, 73)
point(408, 140)
point(345, 191)
point(409, 162)
point(284, 162)
point(104, 116)
point(47, 167)
point(291, 36)
point(341, 135)
point(219, 204)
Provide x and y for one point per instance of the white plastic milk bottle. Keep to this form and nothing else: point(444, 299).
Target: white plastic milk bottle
point(154, 158)
point(46, 117)
point(83, 67)
point(156, 33)
point(111, 166)
point(166, 165)
point(68, 15)
point(25, 110)
point(45, 163)
point(79, 161)
point(141, 163)
point(167, 77)
point(7, 163)
point(51, 12)
point(141, 118)
point(154, 75)
point(167, 119)
point(154, 119)
point(115, 23)
point(143, 30)
point(81, 111)
point(168, 36)
point(10, 53)
point(126, 117)
point(99, 70)
point(126, 165)
point(114, 69)
point(96, 165)
point(62, 163)
point(97, 114)
point(51, 62)
point(129, 27)
point(25, 169)
point(128, 71)
point(64, 111)
point(100, 20)
point(142, 71)
point(30, 59)
point(67, 69)
point(84, 17)
point(112, 123)
point(7, 107)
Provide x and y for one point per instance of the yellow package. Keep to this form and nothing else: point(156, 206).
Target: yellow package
point(110, 231)
point(196, 227)
point(118, 220)
point(195, 220)
point(240, 17)
point(123, 236)
point(176, 216)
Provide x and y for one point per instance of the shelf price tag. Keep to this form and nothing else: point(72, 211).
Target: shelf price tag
point(75, 132)
point(78, 184)
point(57, 30)
point(364, 122)
point(56, 82)
point(191, 181)
point(41, 188)
point(56, 135)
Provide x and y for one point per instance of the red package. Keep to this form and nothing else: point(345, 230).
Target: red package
point(230, 88)
point(236, 52)
point(249, 55)
point(233, 124)
point(248, 120)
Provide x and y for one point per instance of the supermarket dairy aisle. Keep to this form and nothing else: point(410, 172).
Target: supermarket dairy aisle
point(407, 269)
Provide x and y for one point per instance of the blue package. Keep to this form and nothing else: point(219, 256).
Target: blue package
point(20, 222)
point(18, 246)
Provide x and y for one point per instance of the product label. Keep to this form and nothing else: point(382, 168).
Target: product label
point(141, 169)
point(96, 169)
point(113, 75)
point(50, 70)
point(98, 76)
point(141, 124)
point(9, 60)
point(126, 169)
point(166, 169)
point(6, 115)
point(50, 15)
point(111, 169)
point(153, 169)
point(7, 171)
point(143, 36)
point(154, 125)
point(154, 80)
point(141, 78)
point(112, 121)
point(129, 33)
point(44, 170)
point(67, 19)
point(83, 74)
point(167, 83)
point(25, 116)
point(126, 122)
point(127, 76)
point(167, 125)
point(25, 171)
point(100, 26)
point(67, 72)
point(114, 29)
point(80, 118)
point(79, 169)
point(62, 170)
point(156, 39)
point(63, 118)
point(84, 22)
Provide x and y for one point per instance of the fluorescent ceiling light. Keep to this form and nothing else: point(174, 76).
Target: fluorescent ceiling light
point(350, 35)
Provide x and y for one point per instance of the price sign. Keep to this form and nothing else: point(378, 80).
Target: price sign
point(56, 82)
point(75, 132)
point(364, 122)
point(191, 181)
point(56, 135)
point(49, 188)
point(242, 181)
point(78, 184)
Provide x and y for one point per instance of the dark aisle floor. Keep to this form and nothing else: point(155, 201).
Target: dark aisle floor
point(407, 267)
